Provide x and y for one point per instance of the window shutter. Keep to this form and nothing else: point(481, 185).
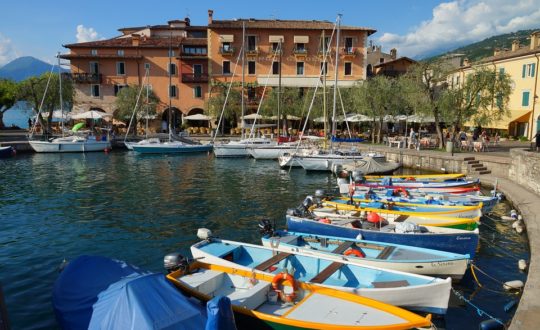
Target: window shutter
point(523, 71)
point(525, 100)
point(533, 68)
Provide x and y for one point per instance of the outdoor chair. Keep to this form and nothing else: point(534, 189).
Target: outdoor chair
point(466, 145)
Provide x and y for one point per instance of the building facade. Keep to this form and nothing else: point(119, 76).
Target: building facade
point(521, 64)
point(202, 54)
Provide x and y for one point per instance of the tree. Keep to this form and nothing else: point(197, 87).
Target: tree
point(126, 103)
point(216, 101)
point(34, 90)
point(293, 102)
point(8, 97)
point(425, 85)
point(481, 99)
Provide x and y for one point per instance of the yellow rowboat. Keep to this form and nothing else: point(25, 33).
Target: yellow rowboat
point(419, 177)
point(262, 301)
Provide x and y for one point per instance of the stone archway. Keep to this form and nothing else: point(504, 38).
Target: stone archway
point(176, 116)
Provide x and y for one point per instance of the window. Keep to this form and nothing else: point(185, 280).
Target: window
point(251, 67)
point(149, 86)
point(193, 50)
point(499, 100)
point(300, 68)
point(197, 70)
point(325, 45)
point(226, 47)
point(381, 60)
point(349, 45)
point(93, 52)
point(120, 68)
point(525, 99)
point(275, 46)
point(118, 88)
point(251, 43)
point(120, 52)
point(172, 91)
point(94, 67)
point(300, 48)
point(275, 67)
point(528, 70)
point(94, 90)
point(170, 53)
point(325, 69)
point(197, 92)
point(226, 67)
point(172, 69)
point(348, 68)
point(501, 70)
point(147, 66)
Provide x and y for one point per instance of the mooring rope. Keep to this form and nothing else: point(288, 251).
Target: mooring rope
point(479, 311)
point(473, 267)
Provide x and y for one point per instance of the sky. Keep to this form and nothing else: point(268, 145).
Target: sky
point(416, 28)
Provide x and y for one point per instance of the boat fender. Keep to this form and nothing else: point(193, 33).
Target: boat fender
point(374, 217)
point(278, 280)
point(513, 285)
point(516, 223)
point(355, 252)
point(522, 264)
point(325, 220)
point(507, 218)
point(490, 325)
point(358, 237)
point(519, 228)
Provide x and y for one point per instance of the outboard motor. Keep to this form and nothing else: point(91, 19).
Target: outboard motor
point(266, 228)
point(358, 176)
point(308, 201)
point(320, 194)
point(175, 261)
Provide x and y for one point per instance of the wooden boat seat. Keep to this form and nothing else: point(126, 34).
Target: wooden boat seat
point(386, 252)
point(272, 261)
point(327, 272)
point(390, 284)
point(343, 247)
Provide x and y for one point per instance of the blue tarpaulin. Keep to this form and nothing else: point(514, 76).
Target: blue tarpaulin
point(98, 292)
point(220, 314)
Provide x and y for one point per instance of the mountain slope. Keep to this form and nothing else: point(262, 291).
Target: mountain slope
point(24, 67)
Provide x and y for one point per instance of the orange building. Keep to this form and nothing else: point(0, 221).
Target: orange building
point(201, 54)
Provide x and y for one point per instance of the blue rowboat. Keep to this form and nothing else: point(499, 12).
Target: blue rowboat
point(425, 184)
point(411, 291)
point(362, 252)
point(437, 238)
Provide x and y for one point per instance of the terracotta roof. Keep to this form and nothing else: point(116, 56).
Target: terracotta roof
point(127, 43)
point(282, 24)
point(195, 41)
point(74, 56)
point(526, 50)
point(404, 58)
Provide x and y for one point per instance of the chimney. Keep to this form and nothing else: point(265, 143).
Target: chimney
point(210, 16)
point(535, 37)
point(515, 45)
point(496, 51)
point(135, 39)
point(393, 53)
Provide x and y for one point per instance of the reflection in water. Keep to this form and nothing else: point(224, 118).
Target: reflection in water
point(138, 208)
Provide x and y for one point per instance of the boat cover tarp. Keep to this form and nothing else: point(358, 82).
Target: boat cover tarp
point(220, 314)
point(98, 292)
point(369, 165)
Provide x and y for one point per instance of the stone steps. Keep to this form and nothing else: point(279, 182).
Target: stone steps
point(476, 166)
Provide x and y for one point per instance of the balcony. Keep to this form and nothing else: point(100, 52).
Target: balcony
point(194, 77)
point(300, 51)
point(226, 50)
point(348, 51)
point(85, 78)
point(252, 50)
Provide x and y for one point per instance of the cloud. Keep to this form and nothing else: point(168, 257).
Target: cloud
point(461, 22)
point(7, 50)
point(85, 34)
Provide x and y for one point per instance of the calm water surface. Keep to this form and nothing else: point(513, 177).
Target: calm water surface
point(139, 208)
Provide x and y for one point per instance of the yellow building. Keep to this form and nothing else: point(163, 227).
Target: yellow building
point(521, 64)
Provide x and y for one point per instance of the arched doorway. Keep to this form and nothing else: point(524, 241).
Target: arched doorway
point(176, 122)
point(196, 121)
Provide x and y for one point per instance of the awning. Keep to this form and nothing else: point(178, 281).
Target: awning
point(226, 38)
point(301, 39)
point(276, 39)
point(520, 116)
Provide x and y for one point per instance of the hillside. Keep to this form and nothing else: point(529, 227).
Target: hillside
point(24, 67)
point(485, 48)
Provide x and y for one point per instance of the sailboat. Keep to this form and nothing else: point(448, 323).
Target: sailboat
point(72, 143)
point(172, 146)
point(240, 148)
point(324, 160)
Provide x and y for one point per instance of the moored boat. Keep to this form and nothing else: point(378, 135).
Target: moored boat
point(170, 147)
point(384, 255)
point(239, 148)
point(268, 301)
point(73, 143)
point(412, 291)
point(6, 151)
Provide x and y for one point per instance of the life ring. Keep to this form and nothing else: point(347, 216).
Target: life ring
point(411, 178)
point(356, 253)
point(400, 191)
point(278, 280)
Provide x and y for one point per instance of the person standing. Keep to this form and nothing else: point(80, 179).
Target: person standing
point(537, 137)
point(29, 122)
point(412, 138)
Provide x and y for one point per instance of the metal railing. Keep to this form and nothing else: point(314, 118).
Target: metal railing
point(194, 77)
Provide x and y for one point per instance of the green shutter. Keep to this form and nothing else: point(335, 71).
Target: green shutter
point(532, 69)
point(523, 71)
point(525, 100)
point(501, 70)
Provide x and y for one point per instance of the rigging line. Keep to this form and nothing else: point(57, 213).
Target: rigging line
point(136, 103)
point(42, 101)
point(494, 279)
point(228, 92)
point(252, 131)
point(341, 101)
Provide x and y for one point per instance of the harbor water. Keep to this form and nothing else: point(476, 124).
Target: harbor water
point(139, 208)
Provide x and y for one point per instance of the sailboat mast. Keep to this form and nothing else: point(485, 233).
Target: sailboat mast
point(279, 93)
point(60, 92)
point(147, 98)
point(170, 88)
point(336, 69)
point(243, 75)
point(325, 115)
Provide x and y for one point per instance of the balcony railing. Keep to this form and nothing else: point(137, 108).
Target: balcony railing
point(85, 78)
point(252, 50)
point(226, 50)
point(300, 51)
point(194, 77)
point(348, 51)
